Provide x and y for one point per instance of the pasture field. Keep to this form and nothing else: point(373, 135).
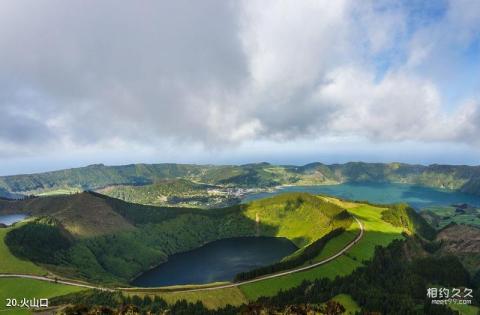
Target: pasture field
point(14, 288)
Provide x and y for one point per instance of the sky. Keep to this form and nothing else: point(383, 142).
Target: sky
point(232, 82)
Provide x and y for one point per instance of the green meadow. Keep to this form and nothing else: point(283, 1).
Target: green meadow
point(19, 289)
point(377, 233)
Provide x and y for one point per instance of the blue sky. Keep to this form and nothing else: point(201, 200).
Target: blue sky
point(230, 82)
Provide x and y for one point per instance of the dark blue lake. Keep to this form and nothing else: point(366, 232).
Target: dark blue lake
point(9, 219)
point(217, 261)
point(417, 196)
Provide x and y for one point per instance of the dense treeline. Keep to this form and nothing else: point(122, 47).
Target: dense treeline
point(307, 254)
point(389, 284)
point(41, 241)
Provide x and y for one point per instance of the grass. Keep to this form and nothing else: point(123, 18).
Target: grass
point(11, 264)
point(339, 242)
point(351, 307)
point(300, 217)
point(377, 233)
point(212, 299)
point(341, 266)
point(29, 289)
point(465, 309)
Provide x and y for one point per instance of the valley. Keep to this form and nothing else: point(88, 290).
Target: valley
point(157, 178)
point(113, 237)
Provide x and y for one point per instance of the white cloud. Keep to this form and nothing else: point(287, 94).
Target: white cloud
point(220, 73)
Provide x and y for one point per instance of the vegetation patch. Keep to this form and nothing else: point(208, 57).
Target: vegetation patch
point(39, 240)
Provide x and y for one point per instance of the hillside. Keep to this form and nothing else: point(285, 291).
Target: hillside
point(173, 192)
point(82, 215)
point(93, 177)
point(145, 236)
point(402, 215)
point(439, 217)
point(463, 241)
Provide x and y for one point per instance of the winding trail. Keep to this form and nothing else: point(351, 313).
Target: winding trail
point(209, 288)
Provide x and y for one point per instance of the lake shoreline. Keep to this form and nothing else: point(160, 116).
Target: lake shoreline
point(416, 195)
point(173, 259)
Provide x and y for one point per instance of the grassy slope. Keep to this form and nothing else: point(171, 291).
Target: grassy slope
point(377, 232)
point(83, 214)
point(28, 288)
point(300, 217)
point(12, 264)
point(351, 307)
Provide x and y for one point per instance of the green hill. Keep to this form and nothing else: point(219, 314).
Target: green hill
point(145, 236)
point(82, 215)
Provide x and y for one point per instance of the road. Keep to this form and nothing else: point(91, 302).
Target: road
point(54, 280)
point(225, 286)
point(280, 274)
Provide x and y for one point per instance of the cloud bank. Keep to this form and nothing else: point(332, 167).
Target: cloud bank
point(83, 74)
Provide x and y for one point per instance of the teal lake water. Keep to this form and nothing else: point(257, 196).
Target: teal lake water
point(217, 261)
point(9, 219)
point(417, 196)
